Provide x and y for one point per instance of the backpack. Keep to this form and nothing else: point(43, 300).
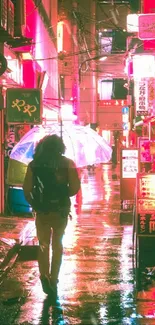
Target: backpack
point(50, 190)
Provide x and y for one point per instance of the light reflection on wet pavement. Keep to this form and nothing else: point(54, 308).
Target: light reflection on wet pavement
point(97, 279)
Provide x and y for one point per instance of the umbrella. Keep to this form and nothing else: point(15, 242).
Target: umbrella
point(83, 145)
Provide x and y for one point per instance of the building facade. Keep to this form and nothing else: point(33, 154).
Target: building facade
point(92, 59)
point(75, 51)
point(28, 43)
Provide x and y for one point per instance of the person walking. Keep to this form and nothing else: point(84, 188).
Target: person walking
point(51, 179)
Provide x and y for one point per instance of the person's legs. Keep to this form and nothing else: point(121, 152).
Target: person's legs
point(57, 249)
point(44, 223)
point(43, 235)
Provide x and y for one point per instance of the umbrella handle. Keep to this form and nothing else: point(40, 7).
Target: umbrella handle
point(61, 128)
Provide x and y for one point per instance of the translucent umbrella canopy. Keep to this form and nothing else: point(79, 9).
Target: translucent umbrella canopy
point(83, 144)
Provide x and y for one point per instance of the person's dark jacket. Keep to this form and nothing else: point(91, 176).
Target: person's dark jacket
point(73, 180)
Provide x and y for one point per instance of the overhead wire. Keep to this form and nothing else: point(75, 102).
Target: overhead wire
point(110, 19)
point(83, 36)
point(84, 31)
point(107, 19)
point(70, 54)
point(107, 16)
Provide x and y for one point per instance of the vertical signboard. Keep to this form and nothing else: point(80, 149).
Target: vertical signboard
point(141, 97)
point(24, 106)
point(129, 165)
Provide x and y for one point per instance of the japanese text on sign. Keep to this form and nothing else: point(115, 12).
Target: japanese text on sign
point(25, 107)
point(141, 97)
point(129, 163)
point(142, 223)
point(146, 224)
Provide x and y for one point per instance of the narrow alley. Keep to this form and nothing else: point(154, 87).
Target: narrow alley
point(98, 282)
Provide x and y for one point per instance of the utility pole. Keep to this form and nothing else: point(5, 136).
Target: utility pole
point(75, 81)
point(61, 17)
point(93, 108)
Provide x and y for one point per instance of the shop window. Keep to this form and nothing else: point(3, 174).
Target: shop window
point(112, 41)
point(112, 89)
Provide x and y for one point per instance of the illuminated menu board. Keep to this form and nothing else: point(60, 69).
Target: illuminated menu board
point(146, 188)
point(129, 163)
point(146, 204)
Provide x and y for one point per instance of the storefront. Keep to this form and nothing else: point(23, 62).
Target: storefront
point(11, 78)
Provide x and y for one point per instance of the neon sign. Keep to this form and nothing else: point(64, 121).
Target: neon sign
point(24, 105)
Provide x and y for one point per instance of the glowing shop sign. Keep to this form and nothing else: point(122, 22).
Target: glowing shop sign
point(129, 163)
point(24, 106)
point(141, 97)
point(132, 23)
point(146, 23)
point(143, 66)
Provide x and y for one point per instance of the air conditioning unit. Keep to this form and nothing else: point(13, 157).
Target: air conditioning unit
point(10, 19)
point(3, 16)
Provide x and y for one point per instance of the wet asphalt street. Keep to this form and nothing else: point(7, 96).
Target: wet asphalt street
point(98, 281)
